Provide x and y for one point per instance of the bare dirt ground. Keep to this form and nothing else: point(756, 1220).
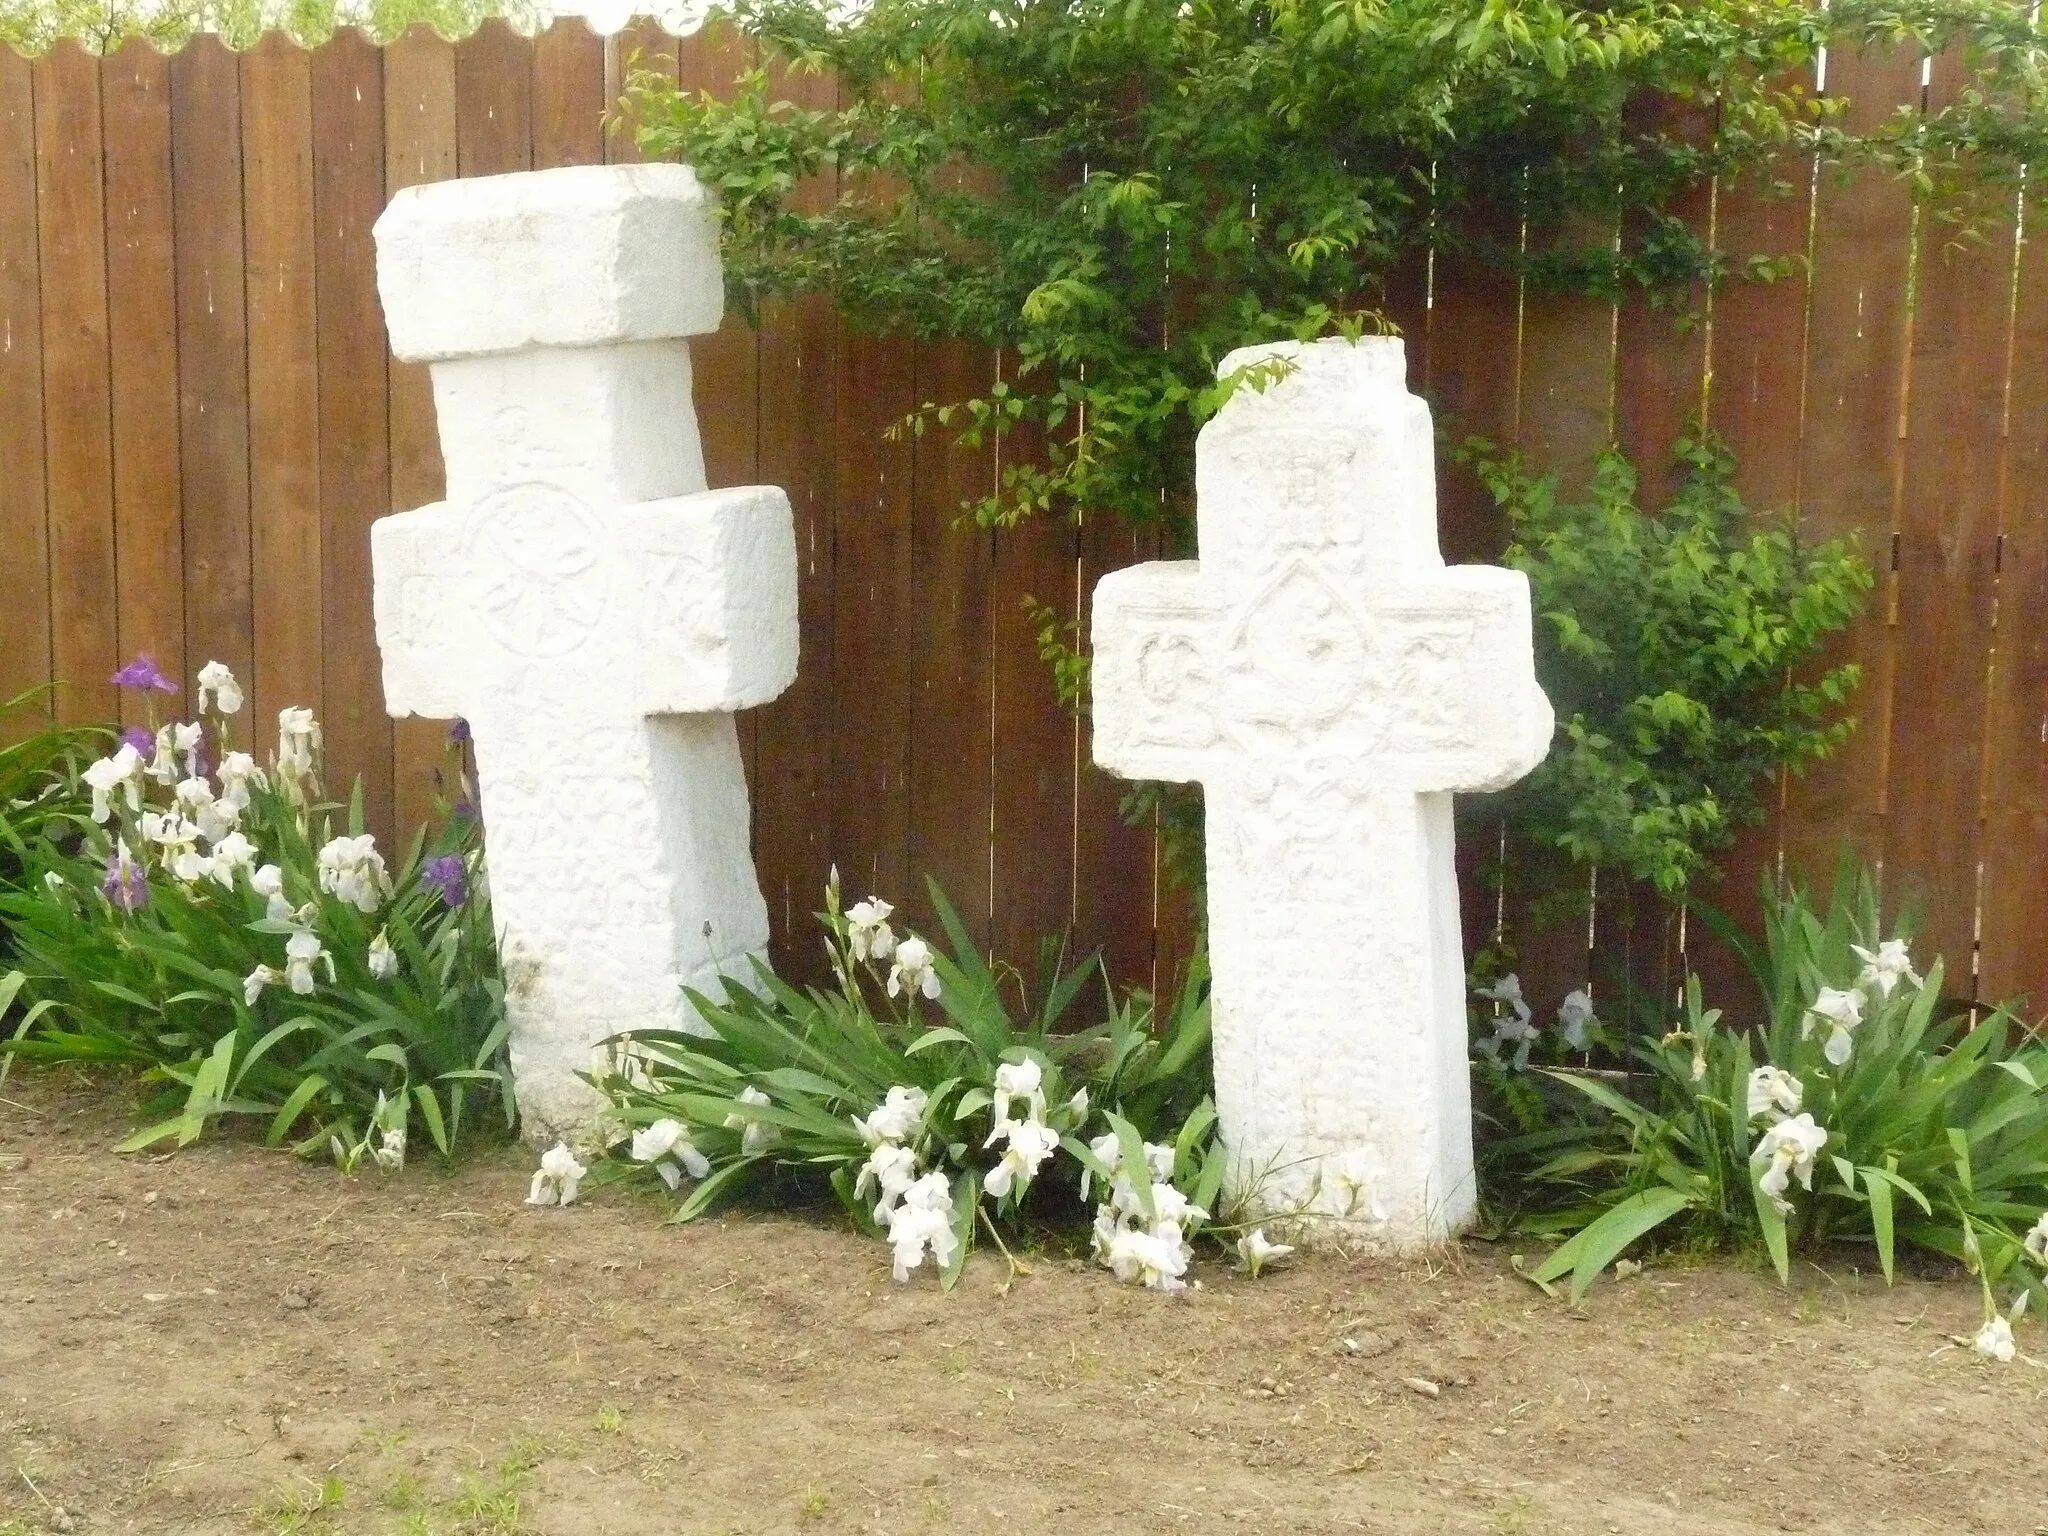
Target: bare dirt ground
point(229, 1340)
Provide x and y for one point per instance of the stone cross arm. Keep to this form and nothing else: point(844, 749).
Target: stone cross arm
point(1424, 689)
point(681, 606)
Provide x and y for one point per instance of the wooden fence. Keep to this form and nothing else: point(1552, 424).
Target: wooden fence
point(199, 419)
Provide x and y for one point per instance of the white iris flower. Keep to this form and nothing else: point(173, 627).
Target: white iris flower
point(667, 1145)
point(352, 869)
point(216, 680)
point(555, 1181)
point(867, 929)
point(1789, 1148)
point(1254, 1252)
point(1775, 1092)
point(1886, 966)
point(923, 1222)
point(912, 973)
point(123, 772)
point(1840, 1012)
point(756, 1135)
point(896, 1118)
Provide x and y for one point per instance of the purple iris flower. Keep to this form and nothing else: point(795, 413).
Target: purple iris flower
point(445, 873)
point(143, 672)
point(463, 810)
point(458, 730)
point(126, 886)
point(137, 737)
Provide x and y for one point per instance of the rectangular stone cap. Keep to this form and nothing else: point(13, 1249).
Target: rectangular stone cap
point(577, 257)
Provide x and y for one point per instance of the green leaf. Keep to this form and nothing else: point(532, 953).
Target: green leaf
point(966, 1205)
point(430, 1111)
point(1598, 1244)
point(1131, 1149)
point(1880, 1190)
point(1771, 1221)
point(1959, 1141)
point(712, 1189)
point(288, 1112)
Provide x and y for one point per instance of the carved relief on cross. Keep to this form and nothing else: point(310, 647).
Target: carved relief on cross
point(1330, 682)
point(580, 598)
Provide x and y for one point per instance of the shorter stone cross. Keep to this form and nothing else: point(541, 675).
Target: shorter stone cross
point(1329, 681)
point(580, 598)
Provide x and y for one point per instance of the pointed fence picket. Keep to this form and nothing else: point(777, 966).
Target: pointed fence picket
point(199, 419)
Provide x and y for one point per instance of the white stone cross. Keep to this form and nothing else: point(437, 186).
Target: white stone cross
point(1330, 682)
point(580, 598)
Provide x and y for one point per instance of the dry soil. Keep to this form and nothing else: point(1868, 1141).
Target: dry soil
point(229, 1340)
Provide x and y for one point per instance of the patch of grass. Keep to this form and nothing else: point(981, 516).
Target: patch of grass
point(405, 1491)
point(814, 1503)
point(609, 1420)
point(293, 1508)
point(1513, 1518)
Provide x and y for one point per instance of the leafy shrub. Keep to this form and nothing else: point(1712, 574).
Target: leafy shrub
point(209, 926)
point(1667, 641)
point(930, 1110)
point(41, 801)
point(1855, 1109)
point(1119, 194)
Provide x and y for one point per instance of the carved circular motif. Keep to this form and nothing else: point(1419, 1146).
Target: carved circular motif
point(538, 576)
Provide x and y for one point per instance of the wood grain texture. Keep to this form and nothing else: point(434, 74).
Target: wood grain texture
point(284, 393)
point(1756, 393)
point(949, 644)
point(2014, 956)
point(726, 364)
point(1757, 384)
point(213, 357)
point(791, 775)
point(1851, 465)
point(875, 592)
point(493, 101)
point(24, 525)
point(142, 345)
point(793, 794)
point(419, 147)
point(77, 389)
point(355, 472)
point(1568, 384)
point(568, 95)
point(1565, 417)
point(1948, 553)
point(1038, 744)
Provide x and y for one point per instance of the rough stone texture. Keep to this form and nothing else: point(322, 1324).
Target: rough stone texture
point(582, 256)
point(581, 599)
point(1330, 682)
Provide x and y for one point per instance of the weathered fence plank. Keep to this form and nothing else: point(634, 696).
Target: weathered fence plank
point(77, 392)
point(419, 147)
point(1851, 473)
point(355, 473)
point(949, 650)
point(202, 420)
point(284, 395)
point(24, 523)
point(2014, 955)
point(213, 355)
point(142, 349)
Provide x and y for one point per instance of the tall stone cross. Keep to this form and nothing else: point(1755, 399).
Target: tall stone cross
point(580, 598)
point(1330, 682)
